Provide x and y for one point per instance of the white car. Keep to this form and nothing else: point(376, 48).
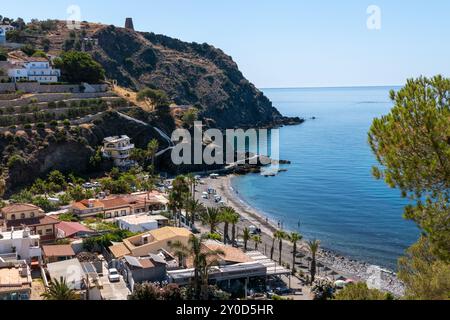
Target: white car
point(113, 275)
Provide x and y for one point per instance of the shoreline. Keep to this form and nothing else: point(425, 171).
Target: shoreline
point(341, 265)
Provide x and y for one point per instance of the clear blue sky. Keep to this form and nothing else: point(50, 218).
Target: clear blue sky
point(290, 43)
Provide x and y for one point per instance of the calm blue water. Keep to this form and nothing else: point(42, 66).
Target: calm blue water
point(328, 186)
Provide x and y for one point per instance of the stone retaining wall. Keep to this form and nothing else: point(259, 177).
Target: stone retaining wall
point(34, 87)
point(53, 97)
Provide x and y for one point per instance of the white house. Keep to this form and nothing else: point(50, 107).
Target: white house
point(22, 243)
point(118, 149)
point(138, 223)
point(3, 30)
point(34, 69)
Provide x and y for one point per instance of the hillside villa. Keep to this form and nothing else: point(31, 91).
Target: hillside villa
point(4, 28)
point(120, 206)
point(24, 68)
point(118, 149)
point(20, 216)
point(151, 242)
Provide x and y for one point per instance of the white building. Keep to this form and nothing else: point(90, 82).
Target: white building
point(118, 149)
point(33, 69)
point(140, 223)
point(25, 245)
point(3, 30)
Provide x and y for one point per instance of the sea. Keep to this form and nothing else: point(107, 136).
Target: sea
point(328, 191)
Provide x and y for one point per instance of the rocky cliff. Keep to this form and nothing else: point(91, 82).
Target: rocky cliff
point(191, 74)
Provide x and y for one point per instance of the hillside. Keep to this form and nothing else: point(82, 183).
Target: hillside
point(190, 73)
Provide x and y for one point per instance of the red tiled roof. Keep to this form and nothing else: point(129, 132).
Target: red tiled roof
point(58, 251)
point(19, 207)
point(72, 228)
point(114, 203)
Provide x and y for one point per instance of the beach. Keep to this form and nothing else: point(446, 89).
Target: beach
point(330, 264)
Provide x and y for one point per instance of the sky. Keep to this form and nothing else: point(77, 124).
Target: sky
point(288, 43)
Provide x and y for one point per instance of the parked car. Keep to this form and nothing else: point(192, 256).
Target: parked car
point(113, 275)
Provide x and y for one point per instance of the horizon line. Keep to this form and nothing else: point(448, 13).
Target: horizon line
point(333, 87)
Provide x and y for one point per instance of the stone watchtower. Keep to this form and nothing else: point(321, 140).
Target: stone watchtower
point(129, 24)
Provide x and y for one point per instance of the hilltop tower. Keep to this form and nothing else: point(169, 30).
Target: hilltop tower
point(129, 24)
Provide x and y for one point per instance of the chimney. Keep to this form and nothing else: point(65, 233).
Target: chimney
point(129, 24)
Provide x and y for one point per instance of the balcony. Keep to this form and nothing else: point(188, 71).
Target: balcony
point(119, 148)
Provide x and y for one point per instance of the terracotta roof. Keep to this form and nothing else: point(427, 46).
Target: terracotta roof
point(119, 250)
point(169, 232)
point(114, 203)
point(231, 254)
point(58, 251)
point(19, 207)
point(72, 228)
point(38, 221)
point(83, 205)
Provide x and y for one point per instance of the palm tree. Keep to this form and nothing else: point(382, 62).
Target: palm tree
point(192, 183)
point(59, 290)
point(203, 261)
point(193, 207)
point(294, 237)
point(246, 236)
point(257, 240)
point(234, 219)
point(178, 196)
point(272, 249)
point(227, 218)
point(152, 149)
point(280, 235)
point(211, 218)
point(313, 247)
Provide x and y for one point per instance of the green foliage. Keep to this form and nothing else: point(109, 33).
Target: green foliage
point(189, 117)
point(3, 55)
point(39, 54)
point(412, 145)
point(152, 292)
point(97, 243)
point(44, 204)
point(360, 291)
point(15, 160)
point(28, 49)
point(77, 67)
point(156, 97)
point(212, 236)
point(59, 290)
point(68, 217)
point(322, 289)
point(425, 276)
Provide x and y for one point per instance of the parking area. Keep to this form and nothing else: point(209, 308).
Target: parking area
point(113, 291)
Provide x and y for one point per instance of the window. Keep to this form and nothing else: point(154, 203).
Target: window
point(32, 215)
point(49, 231)
point(13, 217)
point(108, 215)
point(40, 232)
point(124, 212)
point(22, 216)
